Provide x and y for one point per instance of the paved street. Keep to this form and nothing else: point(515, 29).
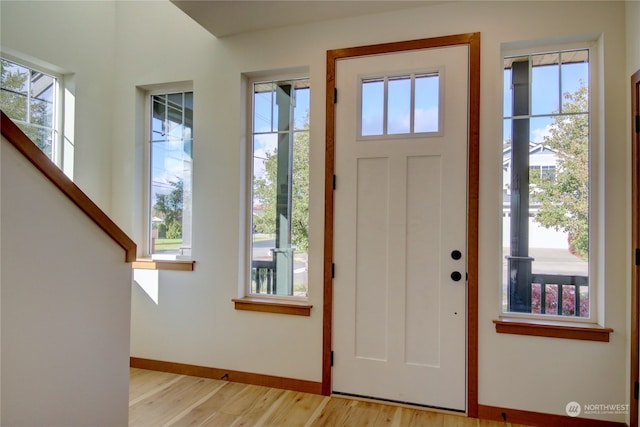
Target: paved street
point(554, 261)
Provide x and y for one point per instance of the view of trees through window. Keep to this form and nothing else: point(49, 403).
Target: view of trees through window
point(28, 97)
point(546, 184)
point(171, 168)
point(280, 187)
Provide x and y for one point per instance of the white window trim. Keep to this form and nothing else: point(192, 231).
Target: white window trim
point(439, 71)
point(246, 222)
point(148, 92)
point(596, 177)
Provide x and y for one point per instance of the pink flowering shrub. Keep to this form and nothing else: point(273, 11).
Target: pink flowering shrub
point(568, 300)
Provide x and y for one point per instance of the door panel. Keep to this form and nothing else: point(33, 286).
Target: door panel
point(421, 316)
point(400, 210)
point(371, 286)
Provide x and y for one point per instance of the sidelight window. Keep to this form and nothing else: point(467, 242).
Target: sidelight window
point(547, 172)
point(279, 187)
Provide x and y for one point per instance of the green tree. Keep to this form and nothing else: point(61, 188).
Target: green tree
point(169, 208)
point(564, 199)
point(13, 102)
point(264, 191)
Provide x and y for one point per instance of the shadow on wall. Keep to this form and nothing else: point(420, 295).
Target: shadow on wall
point(148, 280)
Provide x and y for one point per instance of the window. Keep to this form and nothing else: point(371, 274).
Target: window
point(279, 187)
point(170, 174)
point(31, 99)
point(400, 105)
point(546, 180)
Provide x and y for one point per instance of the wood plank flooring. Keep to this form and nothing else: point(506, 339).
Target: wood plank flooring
point(162, 399)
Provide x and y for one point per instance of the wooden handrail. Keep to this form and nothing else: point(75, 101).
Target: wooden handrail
point(25, 146)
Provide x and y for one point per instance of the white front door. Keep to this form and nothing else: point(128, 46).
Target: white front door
point(399, 290)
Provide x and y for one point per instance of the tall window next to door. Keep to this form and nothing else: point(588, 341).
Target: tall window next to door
point(30, 98)
point(171, 165)
point(547, 164)
point(280, 187)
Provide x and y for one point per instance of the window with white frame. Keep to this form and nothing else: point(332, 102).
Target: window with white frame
point(170, 174)
point(279, 225)
point(31, 98)
point(400, 105)
point(547, 171)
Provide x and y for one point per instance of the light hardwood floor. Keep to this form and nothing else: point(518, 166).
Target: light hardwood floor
point(162, 399)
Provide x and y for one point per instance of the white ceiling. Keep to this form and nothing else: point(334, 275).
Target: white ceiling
point(225, 18)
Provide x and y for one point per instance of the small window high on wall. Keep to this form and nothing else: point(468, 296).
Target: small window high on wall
point(547, 169)
point(400, 105)
point(170, 174)
point(279, 225)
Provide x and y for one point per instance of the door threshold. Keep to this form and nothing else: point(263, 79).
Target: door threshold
point(402, 404)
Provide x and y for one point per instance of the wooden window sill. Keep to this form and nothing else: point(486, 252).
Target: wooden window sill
point(268, 305)
point(162, 264)
point(552, 329)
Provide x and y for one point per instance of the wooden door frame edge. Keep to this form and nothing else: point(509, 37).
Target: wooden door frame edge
point(635, 243)
point(473, 41)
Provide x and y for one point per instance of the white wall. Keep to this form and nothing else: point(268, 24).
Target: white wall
point(633, 36)
point(65, 308)
point(74, 38)
point(194, 312)
point(193, 320)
